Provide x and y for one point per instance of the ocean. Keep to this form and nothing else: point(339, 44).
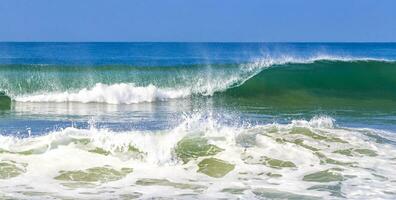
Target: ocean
point(197, 120)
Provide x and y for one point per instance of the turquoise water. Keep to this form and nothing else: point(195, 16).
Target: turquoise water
point(197, 120)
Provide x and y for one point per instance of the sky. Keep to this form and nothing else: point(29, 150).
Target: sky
point(198, 20)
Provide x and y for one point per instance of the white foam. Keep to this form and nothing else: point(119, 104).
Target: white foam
point(57, 151)
point(123, 93)
point(316, 122)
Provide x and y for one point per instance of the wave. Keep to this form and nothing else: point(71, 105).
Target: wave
point(269, 78)
point(202, 157)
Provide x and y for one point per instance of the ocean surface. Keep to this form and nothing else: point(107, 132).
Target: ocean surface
point(197, 120)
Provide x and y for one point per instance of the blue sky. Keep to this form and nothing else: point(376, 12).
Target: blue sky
point(198, 20)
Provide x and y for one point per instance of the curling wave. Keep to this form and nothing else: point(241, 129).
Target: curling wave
point(297, 78)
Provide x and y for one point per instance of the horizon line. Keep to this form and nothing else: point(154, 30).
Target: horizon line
point(197, 41)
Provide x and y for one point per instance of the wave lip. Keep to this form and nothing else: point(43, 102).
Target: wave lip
point(121, 93)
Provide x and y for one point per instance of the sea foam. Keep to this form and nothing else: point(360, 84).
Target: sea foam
point(124, 93)
point(298, 159)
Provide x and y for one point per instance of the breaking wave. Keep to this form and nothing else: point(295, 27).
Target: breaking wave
point(267, 77)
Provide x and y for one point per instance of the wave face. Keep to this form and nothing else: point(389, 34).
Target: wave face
point(201, 158)
point(323, 82)
point(285, 79)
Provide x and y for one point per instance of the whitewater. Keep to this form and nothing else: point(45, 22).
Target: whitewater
point(201, 158)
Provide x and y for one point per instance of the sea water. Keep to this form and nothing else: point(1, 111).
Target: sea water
point(198, 120)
